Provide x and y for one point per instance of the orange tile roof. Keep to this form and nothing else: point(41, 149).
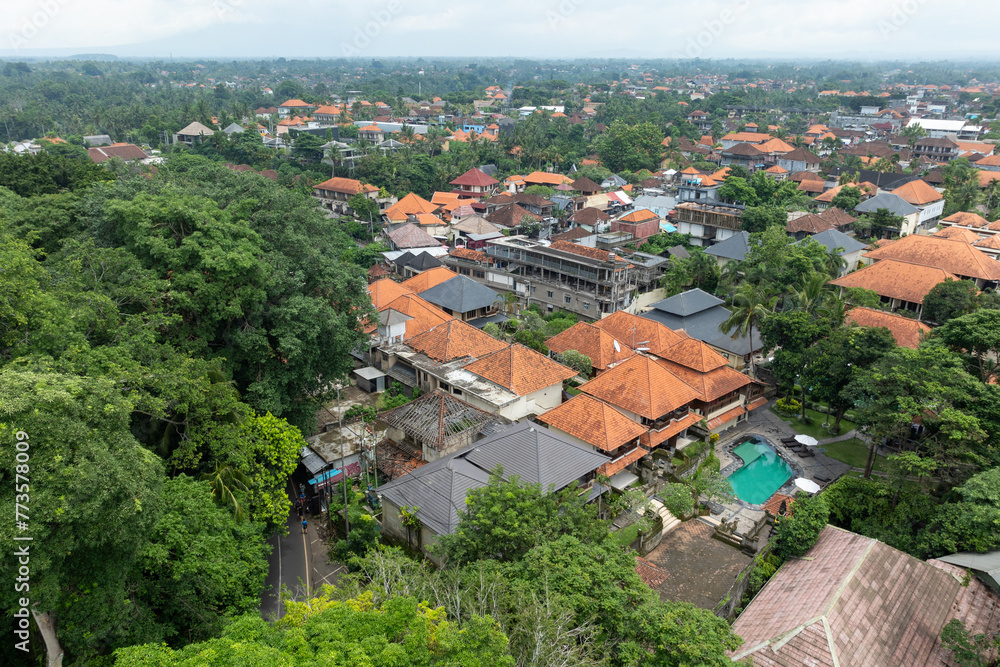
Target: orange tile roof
point(386, 290)
point(428, 279)
point(638, 332)
point(583, 251)
point(425, 315)
point(992, 242)
point(956, 257)
point(640, 215)
point(776, 146)
point(468, 253)
point(747, 137)
point(411, 204)
point(710, 385)
point(453, 340)
point(987, 177)
point(907, 332)
point(520, 369)
point(641, 386)
point(654, 438)
point(345, 185)
point(896, 280)
point(596, 343)
point(544, 178)
point(967, 219)
point(918, 193)
point(429, 220)
point(958, 233)
point(726, 417)
point(595, 422)
point(695, 354)
point(295, 102)
point(370, 128)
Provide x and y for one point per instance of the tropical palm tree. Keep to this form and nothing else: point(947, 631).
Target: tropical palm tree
point(751, 304)
point(225, 482)
point(814, 291)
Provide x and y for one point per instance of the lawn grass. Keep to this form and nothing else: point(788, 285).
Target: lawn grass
point(627, 535)
point(815, 429)
point(853, 452)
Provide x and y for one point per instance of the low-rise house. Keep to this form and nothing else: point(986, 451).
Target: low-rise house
point(854, 601)
point(733, 249)
point(847, 247)
point(895, 205)
point(436, 492)
point(600, 346)
point(193, 132)
point(907, 331)
point(294, 107)
point(410, 236)
point(926, 199)
point(334, 193)
point(956, 257)
point(641, 224)
point(806, 225)
point(463, 298)
point(900, 285)
point(475, 184)
point(799, 160)
point(407, 207)
point(127, 152)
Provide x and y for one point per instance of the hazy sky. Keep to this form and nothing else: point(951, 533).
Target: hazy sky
point(849, 29)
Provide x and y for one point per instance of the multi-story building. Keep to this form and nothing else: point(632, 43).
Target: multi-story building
point(588, 281)
point(708, 223)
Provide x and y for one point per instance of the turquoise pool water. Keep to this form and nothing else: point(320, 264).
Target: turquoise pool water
point(763, 472)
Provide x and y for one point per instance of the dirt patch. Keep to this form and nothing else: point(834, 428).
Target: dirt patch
point(701, 570)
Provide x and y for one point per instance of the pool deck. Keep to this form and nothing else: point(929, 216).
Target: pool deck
point(769, 428)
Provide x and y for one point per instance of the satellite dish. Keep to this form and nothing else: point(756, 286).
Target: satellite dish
point(617, 348)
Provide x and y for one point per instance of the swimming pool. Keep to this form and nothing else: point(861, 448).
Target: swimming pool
point(763, 472)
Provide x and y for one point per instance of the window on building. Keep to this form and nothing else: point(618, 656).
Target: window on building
point(569, 299)
point(550, 293)
point(586, 306)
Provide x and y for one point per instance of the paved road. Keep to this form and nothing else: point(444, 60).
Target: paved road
point(299, 561)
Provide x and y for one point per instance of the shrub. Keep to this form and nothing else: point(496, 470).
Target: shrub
point(797, 533)
point(787, 406)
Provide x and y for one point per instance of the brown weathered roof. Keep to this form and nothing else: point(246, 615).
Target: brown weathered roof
point(593, 421)
point(694, 354)
point(585, 185)
point(475, 177)
point(801, 154)
point(347, 186)
point(854, 601)
point(468, 253)
point(453, 340)
point(838, 217)
point(124, 151)
point(520, 369)
point(583, 251)
point(571, 235)
point(592, 341)
point(966, 219)
point(641, 386)
point(511, 215)
point(411, 236)
point(896, 280)
point(589, 216)
point(956, 257)
point(809, 224)
point(958, 234)
point(907, 332)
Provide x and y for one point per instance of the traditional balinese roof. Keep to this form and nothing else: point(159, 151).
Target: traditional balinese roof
point(348, 186)
point(520, 369)
point(641, 215)
point(475, 224)
point(196, 129)
point(594, 422)
point(511, 215)
point(801, 155)
point(454, 340)
point(386, 290)
point(425, 316)
point(411, 204)
point(475, 177)
point(428, 279)
point(918, 193)
point(808, 224)
point(896, 280)
point(642, 387)
point(589, 216)
point(908, 332)
point(638, 332)
point(585, 185)
point(967, 219)
point(123, 151)
point(602, 348)
point(694, 354)
point(545, 178)
point(411, 236)
point(852, 600)
point(438, 419)
point(838, 217)
point(958, 234)
point(710, 385)
point(956, 257)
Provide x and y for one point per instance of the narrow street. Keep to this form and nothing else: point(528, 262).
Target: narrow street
point(298, 561)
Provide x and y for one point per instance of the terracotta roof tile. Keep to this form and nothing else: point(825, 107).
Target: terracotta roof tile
point(838, 217)
point(918, 193)
point(809, 224)
point(386, 290)
point(992, 241)
point(453, 340)
point(511, 216)
point(642, 387)
point(640, 215)
point(411, 236)
point(468, 253)
point(595, 422)
point(695, 354)
point(958, 234)
point(345, 186)
point(639, 332)
point(896, 280)
point(649, 573)
point(592, 341)
point(726, 417)
point(956, 257)
point(657, 437)
point(411, 204)
point(425, 315)
point(521, 370)
point(475, 177)
point(710, 385)
point(428, 279)
point(907, 332)
point(966, 219)
point(583, 251)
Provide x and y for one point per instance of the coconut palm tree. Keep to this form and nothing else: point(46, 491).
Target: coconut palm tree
point(814, 291)
point(751, 304)
point(225, 482)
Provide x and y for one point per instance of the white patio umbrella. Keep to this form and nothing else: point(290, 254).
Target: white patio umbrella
point(806, 440)
point(806, 485)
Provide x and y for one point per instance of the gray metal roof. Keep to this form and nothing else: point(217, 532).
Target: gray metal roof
point(461, 295)
point(896, 204)
point(528, 450)
point(423, 261)
point(832, 239)
point(312, 461)
point(987, 565)
point(704, 326)
point(390, 316)
point(369, 373)
point(735, 247)
point(688, 303)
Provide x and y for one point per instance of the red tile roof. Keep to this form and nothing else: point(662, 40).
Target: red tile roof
point(896, 280)
point(475, 177)
point(593, 421)
point(425, 315)
point(386, 290)
point(411, 204)
point(453, 340)
point(639, 332)
point(641, 386)
point(520, 369)
point(712, 384)
point(907, 332)
point(918, 193)
point(428, 279)
point(347, 186)
point(592, 341)
point(695, 354)
point(955, 257)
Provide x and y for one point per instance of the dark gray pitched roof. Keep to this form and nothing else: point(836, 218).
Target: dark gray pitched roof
point(896, 204)
point(423, 261)
point(735, 247)
point(704, 326)
point(688, 303)
point(460, 294)
point(832, 239)
point(528, 450)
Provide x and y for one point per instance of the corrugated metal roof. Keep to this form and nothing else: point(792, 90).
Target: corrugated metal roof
point(312, 461)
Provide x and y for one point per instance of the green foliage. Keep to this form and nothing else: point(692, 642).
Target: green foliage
point(539, 190)
point(364, 208)
point(797, 533)
point(505, 519)
point(399, 631)
point(630, 147)
point(577, 361)
point(762, 571)
point(660, 243)
point(950, 299)
point(47, 173)
point(847, 199)
point(968, 650)
point(787, 406)
point(756, 219)
point(364, 533)
point(978, 335)
point(493, 330)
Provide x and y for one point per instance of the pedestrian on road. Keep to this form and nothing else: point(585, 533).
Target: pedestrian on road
point(304, 524)
point(300, 510)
